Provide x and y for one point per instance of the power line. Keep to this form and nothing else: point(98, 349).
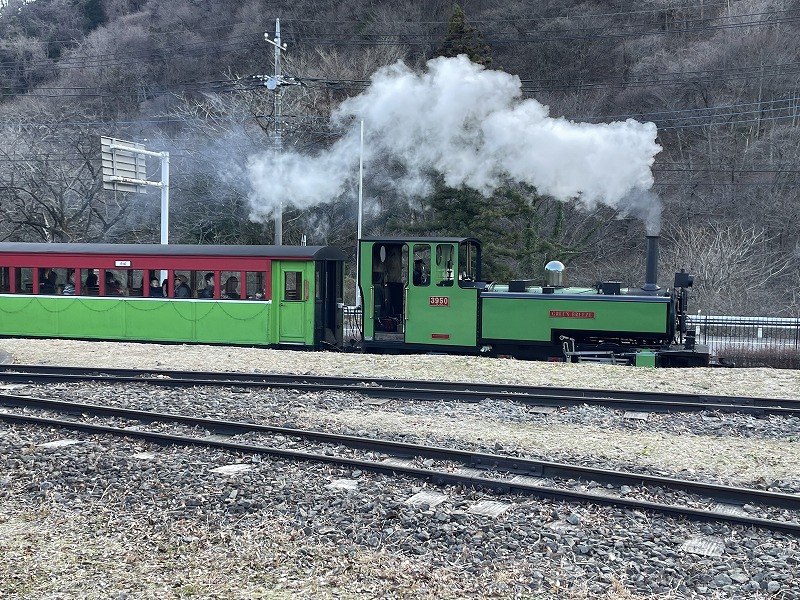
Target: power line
point(769, 18)
point(183, 120)
point(795, 99)
point(732, 122)
point(733, 184)
point(78, 61)
point(681, 78)
point(725, 171)
point(685, 78)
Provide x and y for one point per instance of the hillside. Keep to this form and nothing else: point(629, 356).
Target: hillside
point(531, 150)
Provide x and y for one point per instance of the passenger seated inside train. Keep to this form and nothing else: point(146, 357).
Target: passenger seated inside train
point(69, 287)
point(47, 281)
point(182, 289)
point(155, 290)
point(232, 288)
point(92, 283)
point(208, 291)
point(113, 286)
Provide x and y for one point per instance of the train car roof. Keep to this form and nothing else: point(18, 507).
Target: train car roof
point(296, 252)
point(400, 239)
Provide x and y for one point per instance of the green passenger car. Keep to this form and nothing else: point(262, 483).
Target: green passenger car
point(253, 295)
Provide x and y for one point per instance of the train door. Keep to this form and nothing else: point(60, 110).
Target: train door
point(292, 297)
point(329, 303)
point(384, 280)
point(439, 310)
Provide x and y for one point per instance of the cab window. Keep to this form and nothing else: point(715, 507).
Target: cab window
point(422, 265)
point(443, 273)
point(468, 264)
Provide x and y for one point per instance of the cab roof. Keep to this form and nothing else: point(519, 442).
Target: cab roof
point(429, 240)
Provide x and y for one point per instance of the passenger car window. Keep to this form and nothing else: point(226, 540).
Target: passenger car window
point(255, 285)
point(116, 282)
point(230, 285)
point(206, 284)
point(24, 280)
point(90, 279)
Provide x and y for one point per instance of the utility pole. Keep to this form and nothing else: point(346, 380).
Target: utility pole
point(274, 84)
point(360, 211)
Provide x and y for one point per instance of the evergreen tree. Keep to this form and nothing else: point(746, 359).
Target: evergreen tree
point(94, 14)
point(520, 230)
point(464, 39)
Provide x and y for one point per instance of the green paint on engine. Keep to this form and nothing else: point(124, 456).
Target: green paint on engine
point(536, 317)
point(645, 358)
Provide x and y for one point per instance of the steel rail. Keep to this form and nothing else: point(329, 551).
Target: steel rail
point(528, 467)
point(414, 389)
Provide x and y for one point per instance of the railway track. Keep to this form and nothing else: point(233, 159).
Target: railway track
point(502, 474)
point(413, 389)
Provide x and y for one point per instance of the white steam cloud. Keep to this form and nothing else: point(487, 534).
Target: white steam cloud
point(470, 125)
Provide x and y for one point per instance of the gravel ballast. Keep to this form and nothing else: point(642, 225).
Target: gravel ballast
point(110, 518)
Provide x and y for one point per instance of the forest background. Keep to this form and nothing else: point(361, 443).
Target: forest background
point(189, 77)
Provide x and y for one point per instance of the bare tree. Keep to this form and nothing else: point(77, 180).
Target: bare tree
point(735, 267)
point(51, 185)
point(219, 132)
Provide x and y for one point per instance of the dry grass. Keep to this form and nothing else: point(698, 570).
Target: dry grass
point(49, 554)
point(764, 382)
point(775, 358)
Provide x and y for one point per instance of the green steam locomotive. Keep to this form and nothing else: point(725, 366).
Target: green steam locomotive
point(427, 295)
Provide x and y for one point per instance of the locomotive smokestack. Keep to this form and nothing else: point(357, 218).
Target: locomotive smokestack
point(651, 273)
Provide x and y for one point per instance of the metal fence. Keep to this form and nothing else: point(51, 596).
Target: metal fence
point(353, 321)
point(747, 333)
point(750, 341)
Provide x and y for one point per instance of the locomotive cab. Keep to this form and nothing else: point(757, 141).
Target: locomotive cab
point(420, 293)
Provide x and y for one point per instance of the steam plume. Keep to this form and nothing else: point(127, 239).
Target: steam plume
point(472, 126)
